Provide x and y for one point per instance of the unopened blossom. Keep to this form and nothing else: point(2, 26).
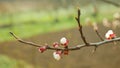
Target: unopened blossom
point(115, 23)
point(88, 21)
point(110, 35)
point(116, 15)
point(95, 27)
point(55, 44)
point(42, 49)
point(106, 22)
point(57, 55)
point(64, 41)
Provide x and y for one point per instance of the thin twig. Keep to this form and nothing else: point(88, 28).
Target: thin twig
point(25, 42)
point(95, 27)
point(99, 35)
point(31, 43)
point(94, 50)
point(111, 2)
point(80, 27)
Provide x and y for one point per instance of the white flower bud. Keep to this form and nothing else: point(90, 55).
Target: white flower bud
point(110, 34)
point(106, 35)
point(56, 56)
point(63, 41)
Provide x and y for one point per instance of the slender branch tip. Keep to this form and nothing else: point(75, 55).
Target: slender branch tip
point(79, 12)
point(10, 32)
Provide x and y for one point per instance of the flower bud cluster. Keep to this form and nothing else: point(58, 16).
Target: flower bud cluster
point(58, 53)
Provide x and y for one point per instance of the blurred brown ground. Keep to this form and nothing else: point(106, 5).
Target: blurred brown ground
point(106, 56)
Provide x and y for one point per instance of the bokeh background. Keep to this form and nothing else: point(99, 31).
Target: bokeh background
point(46, 21)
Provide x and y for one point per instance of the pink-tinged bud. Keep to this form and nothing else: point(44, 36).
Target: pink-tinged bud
point(66, 52)
point(55, 44)
point(106, 22)
point(64, 41)
point(88, 21)
point(117, 15)
point(57, 55)
point(95, 27)
point(42, 49)
point(110, 35)
point(115, 23)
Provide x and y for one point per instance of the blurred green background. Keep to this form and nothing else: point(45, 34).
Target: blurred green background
point(46, 21)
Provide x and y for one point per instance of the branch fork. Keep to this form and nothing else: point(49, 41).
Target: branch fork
point(65, 49)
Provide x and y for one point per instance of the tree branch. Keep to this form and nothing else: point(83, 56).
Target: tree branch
point(80, 27)
point(110, 2)
point(78, 47)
